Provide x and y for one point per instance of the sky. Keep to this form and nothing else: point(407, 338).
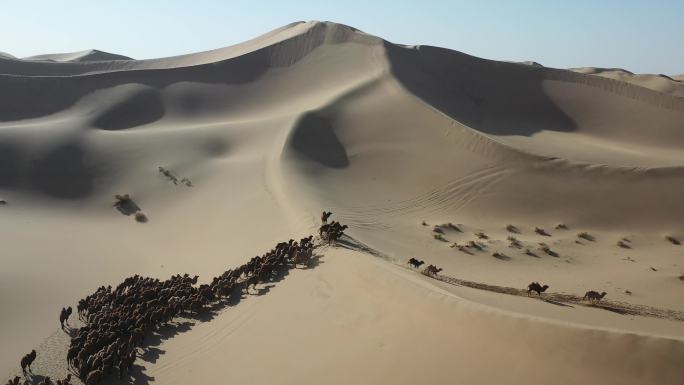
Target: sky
point(640, 36)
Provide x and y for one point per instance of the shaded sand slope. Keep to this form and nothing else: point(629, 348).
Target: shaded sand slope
point(320, 115)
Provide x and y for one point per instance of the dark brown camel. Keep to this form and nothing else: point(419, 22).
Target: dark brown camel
point(432, 270)
point(94, 377)
point(325, 216)
point(594, 296)
point(415, 263)
point(27, 360)
point(536, 287)
point(64, 316)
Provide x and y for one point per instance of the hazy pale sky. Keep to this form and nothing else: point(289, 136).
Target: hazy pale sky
point(640, 36)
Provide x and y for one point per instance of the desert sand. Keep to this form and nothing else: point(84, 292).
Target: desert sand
point(397, 141)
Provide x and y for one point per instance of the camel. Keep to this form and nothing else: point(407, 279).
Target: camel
point(64, 316)
point(94, 377)
point(594, 296)
point(432, 270)
point(415, 263)
point(535, 286)
point(325, 216)
point(27, 360)
point(14, 381)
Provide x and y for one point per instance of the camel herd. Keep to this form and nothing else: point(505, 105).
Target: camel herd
point(591, 295)
point(118, 319)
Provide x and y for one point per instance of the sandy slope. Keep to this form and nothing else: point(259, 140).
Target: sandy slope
point(319, 115)
point(661, 83)
point(81, 56)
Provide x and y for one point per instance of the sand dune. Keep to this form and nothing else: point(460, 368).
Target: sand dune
point(320, 115)
point(81, 56)
point(661, 83)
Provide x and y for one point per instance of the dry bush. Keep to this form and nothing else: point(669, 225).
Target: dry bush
point(440, 237)
point(623, 244)
point(481, 235)
point(561, 226)
point(454, 227)
point(140, 217)
point(546, 249)
point(515, 243)
point(541, 231)
point(474, 245)
point(512, 229)
point(586, 236)
point(438, 229)
point(673, 240)
point(499, 255)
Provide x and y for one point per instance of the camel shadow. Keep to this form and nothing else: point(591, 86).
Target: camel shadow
point(557, 303)
point(314, 262)
point(349, 243)
point(31, 379)
point(136, 376)
point(151, 354)
point(610, 308)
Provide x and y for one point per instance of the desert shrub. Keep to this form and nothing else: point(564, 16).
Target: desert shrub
point(439, 237)
point(541, 231)
point(140, 217)
point(586, 236)
point(454, 227)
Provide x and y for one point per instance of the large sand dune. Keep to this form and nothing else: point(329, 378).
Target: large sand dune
point(320, 115)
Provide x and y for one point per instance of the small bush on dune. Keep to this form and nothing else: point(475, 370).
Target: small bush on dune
point(454, 227)
point(439, 237)
point(499, 255)
point(541, 231)
point(586, 236)
point(481, 235)
point(623, 244)
point(561, 226)
point(140, 217)
point(474, 245)
point(673, 240)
